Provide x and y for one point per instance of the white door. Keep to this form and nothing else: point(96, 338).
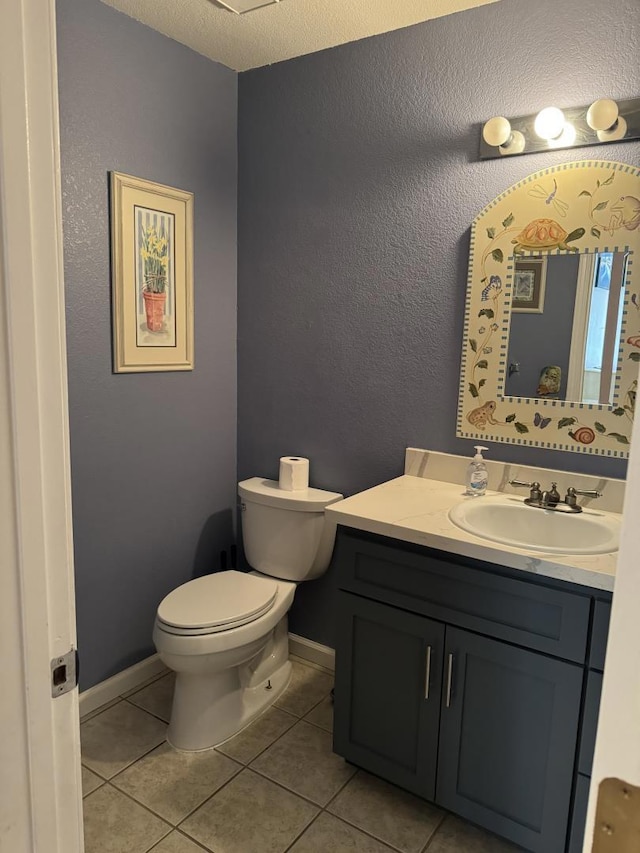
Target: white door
point(40, 785)
point(618, 743)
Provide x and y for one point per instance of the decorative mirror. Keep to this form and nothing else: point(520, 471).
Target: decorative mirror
point(551, 340)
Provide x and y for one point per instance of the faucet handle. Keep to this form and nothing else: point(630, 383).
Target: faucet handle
point(570, 499)
point(535, 493)
point(586, 493)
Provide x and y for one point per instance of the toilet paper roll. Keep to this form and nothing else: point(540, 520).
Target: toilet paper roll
point(294, 473)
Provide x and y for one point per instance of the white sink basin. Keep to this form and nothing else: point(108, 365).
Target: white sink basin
point(512, 522)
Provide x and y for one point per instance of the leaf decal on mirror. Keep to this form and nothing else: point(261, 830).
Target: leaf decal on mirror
point(601, 206)
point(595, 232)
point(473, 390)
point(619, 411)
point(491, 233)
point(483, 364)
point(508, 221)
point(599, 427)
point(621, 439)
point(609, 180)
point(565, 422)
point(634, 356)
point(481, 383)
point(584, 192)
point(521, 428)
point(497, 255)
point(509, 419)
point(473, 344)
point(486, 312)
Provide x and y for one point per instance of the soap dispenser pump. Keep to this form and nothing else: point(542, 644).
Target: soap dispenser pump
point(477, 475)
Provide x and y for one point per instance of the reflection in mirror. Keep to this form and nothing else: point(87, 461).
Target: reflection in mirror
point(565, 327)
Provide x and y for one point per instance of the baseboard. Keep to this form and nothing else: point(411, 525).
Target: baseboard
point(136, 675)
point(130, 678)
point(312, 651)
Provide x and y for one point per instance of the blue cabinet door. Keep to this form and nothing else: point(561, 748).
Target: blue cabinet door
point(508, 736)
point(387, 692)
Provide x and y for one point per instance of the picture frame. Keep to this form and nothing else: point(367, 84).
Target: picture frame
point(529, 281)
point(152, 275)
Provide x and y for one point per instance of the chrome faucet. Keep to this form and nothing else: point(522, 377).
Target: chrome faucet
point(551, 499)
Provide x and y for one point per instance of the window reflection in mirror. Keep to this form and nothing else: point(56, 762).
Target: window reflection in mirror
point(565, 327)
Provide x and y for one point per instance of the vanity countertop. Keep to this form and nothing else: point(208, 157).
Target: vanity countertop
point(415, 509)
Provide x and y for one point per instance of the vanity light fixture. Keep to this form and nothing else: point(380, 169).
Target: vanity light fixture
point(605, 120)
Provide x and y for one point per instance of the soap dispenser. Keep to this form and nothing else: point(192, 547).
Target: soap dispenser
point(477, 475)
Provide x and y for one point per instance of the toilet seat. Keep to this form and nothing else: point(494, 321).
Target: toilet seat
point(216, 603)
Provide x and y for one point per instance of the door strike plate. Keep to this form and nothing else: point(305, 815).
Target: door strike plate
point(617, 826)
point(64, 673)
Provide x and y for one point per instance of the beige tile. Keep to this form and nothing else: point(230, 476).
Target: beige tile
point(457, 836)
point(175, 842)
point(258, 736)
point(115, 824)
point(250, 815)
point(303, 761)
point(117, 737)
point(96, 711)
point(308, 687)
point(157, 697)
point(322, 715)
point(173, 783)
point(390, 814)
point(90, 781)
point(327, 833)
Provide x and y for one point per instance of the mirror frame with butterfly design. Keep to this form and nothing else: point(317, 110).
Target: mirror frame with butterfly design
point(586, 206)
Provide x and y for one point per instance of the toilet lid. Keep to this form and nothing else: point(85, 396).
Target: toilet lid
point(218, 601)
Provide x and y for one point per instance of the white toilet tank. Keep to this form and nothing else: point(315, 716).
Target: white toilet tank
point(285, 534)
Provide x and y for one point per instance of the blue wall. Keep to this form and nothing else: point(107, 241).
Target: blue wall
point(153, 455)
point(358, 182)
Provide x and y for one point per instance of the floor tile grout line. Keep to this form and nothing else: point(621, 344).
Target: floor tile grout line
point(435, 832)
point(302, 831)
point(258, 754)
point(366, 832)
point(151, 714)
point(131, 763)
point(208, 797)
point(142, 805)
point(188, 838)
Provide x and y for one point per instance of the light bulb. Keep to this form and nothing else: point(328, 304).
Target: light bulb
point(514, 144)
point(549, 123)
point(565, 139)
point(602, 114)
point(496, 131)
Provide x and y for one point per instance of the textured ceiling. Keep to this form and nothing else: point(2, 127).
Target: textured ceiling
point(283, 30)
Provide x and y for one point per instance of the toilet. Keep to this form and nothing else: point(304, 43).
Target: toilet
point(226, 635)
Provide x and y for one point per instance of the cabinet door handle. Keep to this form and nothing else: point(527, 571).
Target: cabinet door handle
point(449, 680)
point(427, 675)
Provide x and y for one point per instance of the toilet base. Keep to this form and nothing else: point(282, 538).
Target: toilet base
point(198, 724)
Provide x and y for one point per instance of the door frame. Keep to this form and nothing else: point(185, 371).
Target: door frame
point(617, 752)
point(40, 775)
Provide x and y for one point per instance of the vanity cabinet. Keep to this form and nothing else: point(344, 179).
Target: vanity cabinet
point(463, 683)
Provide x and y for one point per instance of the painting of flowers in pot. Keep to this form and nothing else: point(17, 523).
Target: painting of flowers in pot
point(152, 275)
point(154, 278)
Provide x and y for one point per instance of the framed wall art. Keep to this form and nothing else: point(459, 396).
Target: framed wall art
point(152, 276)
point(529, 279)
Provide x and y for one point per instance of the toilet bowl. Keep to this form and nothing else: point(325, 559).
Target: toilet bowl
point(226, 635)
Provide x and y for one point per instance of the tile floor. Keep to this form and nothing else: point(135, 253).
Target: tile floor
point(275, 787)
